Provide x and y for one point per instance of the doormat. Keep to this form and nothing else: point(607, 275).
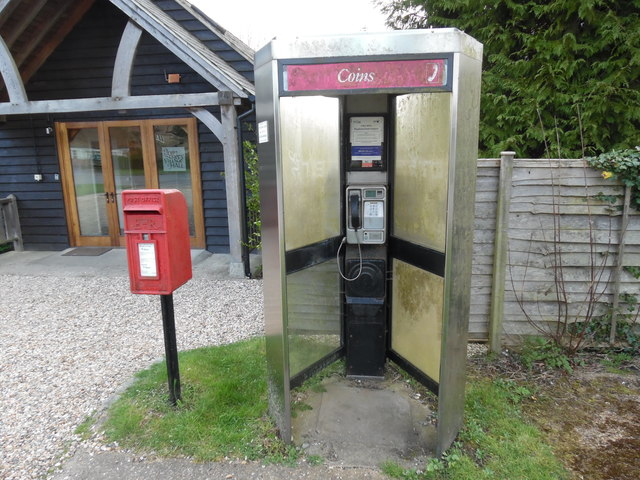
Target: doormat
point(86, 252)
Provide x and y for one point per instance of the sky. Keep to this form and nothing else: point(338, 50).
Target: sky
point(256, 22)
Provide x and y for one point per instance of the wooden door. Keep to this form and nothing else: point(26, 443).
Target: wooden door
point(88, 184)
point(101, 159)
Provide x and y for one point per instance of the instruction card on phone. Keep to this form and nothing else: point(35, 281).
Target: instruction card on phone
point(366, 138)
point(373, 215)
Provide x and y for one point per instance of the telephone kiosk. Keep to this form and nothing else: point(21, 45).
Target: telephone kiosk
point(368, 149)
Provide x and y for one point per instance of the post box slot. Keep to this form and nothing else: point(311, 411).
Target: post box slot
point(141, 207)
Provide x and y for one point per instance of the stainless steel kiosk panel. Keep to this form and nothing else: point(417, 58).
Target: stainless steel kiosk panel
point(425, 86)
point(310, 143)
point(421, 168)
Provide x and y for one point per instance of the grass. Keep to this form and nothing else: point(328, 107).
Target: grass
point(496, 442)
point(222, 412)
point(615, 361)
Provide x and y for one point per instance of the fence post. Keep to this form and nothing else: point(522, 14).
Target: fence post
point(13, 223)
point(619, 263)
point(500, 247)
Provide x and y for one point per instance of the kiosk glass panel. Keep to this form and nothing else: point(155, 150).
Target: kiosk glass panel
point(422, 168)
point(313, 303)
point(310, 135)
point(416, 323)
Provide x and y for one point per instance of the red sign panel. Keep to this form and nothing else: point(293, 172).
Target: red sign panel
point(366, 75)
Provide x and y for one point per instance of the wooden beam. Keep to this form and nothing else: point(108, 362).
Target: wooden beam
point(35, 42)
point(181, 43)
point(210, 121)
point(619, 264)
point(12, 220)
point(234, 188)
point(123, 66)
point(11, 75)
point(44, 51)
point(20, 26)
point(501, 246)
point(139, 102)
point(6, 8)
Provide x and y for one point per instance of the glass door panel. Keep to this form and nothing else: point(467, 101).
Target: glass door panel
point(173, 163)
point(315, 316)
point(128, 163)
point(88, 181)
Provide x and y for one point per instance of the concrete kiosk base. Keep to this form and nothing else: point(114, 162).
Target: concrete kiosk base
point(365, 423)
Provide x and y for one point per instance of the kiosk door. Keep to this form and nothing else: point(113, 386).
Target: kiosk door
point(310, 133)
point(421, 179)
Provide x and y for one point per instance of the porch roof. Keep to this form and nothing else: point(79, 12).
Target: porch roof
point(31, 30)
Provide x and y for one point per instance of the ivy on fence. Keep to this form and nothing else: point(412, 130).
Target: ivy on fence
point(622, 165)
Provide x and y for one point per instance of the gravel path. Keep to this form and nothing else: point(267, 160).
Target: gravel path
point(68, 344)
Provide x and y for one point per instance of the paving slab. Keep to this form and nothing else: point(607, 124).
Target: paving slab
point(364, 423)
point(87, 465)
point(112, 263)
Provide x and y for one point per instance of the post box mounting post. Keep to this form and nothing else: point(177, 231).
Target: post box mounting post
point(170, 348)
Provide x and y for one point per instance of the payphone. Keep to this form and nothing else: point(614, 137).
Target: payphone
point(376, 134)
point(365, 257)
point(366, 214)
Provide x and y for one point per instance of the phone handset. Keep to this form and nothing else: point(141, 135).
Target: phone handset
point(355, 223)
point(354, 210)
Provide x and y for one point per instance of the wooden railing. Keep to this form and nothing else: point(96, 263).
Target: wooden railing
point(10, 231)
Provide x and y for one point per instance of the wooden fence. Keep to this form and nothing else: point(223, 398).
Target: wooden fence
point(547, 244)
point(9, 223)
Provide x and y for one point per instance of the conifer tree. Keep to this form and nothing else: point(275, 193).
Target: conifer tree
point(565, 71)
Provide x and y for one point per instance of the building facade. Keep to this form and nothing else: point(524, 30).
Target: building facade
point(101, 96)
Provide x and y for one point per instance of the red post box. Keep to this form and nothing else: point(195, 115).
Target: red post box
point(156, 224)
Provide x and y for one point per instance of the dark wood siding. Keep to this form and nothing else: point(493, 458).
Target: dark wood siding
point(25, 150)
point(205, 35)
point(82, 67)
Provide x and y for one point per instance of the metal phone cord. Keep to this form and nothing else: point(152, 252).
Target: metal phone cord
point(344, 240)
